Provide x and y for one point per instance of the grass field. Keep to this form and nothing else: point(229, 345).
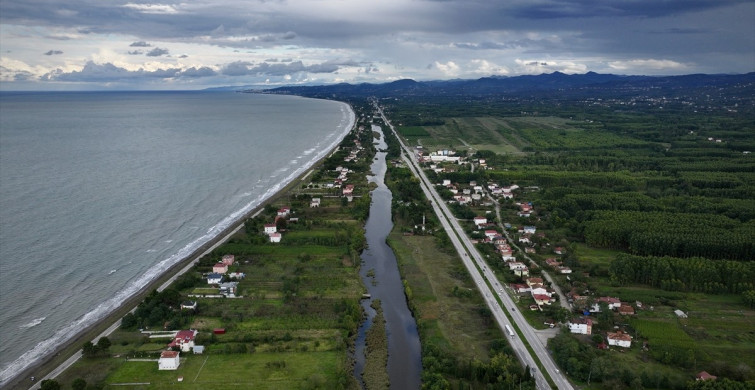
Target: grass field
point(234, 371)
point(448, 320)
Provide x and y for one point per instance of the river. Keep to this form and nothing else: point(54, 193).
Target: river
point(404, 352)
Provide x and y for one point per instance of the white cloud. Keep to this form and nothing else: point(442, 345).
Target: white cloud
point(449, 69)
point(647, 65)
point(152, 8)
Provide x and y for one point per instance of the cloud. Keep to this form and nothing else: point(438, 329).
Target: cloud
point(135, 52)
point(53, 52)
point(197, 72)
point(153, 8)
point(183, 56)
point(245, 68)
point(646, 64)
point(157, 52)
point(140, 44)
point(449, 69)
point(93, 72)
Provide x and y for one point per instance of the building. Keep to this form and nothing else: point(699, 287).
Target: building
point(348, 190)
point(228, 259)
point(220, 268)
point(169, 360)
point(228, 289)
point(619, 339)
point(704, 376)
point(190, 305)
point(270, 228)
point(275, 237)
point(580, 326)
point(214, 278)
point(680, 314)
point(184, 340)
point(284, 211)
point(626, 310)
point(479, 221)
point(315, 202)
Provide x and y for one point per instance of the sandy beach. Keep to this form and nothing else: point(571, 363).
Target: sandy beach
point(68, 353)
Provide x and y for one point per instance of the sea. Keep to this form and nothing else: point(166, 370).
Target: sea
point(101, 192)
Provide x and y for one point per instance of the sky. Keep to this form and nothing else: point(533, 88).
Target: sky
point(195, 44)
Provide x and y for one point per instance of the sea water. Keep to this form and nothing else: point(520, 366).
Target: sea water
point(101, 192)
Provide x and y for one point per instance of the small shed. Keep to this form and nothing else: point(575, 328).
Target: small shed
point(198, 349)
point(219, 331)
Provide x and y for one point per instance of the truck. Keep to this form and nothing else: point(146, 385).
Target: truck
point(509, 331)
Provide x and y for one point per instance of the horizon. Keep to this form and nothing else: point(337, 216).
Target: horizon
point(258, 87)
point(168, 45)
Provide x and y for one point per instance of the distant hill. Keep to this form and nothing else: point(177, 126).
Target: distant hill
point(590, 83)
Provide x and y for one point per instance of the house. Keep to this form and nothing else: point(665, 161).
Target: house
point(680, 314)
point(270, 228)
point(284, 211)
point(515, 265)
point(551, 261)
point(169, 360)
point(525, 239)
point(530, 230)
point(541, 299)
point(228, 289)
point(626, 310)
point(480, 221)
point(613, 303)
point(531, 281)
point(315, 202)
point(348, 190)
point(619, 339)
point(491, 234)
point(190, 305)
point(539, 289)
point(214, 278)
point(275, 237)
point(228, 259)
point(704, 376)
point(520, 288)
point(580, 326)
point(529, 250)
point(220, 268)
point(198, 349)
point(559, 250)
point(564, 270)
point(522, 272)
point(184, 340)
point(237, 275)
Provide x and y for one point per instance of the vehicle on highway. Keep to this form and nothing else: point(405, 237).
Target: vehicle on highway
point(509, 331)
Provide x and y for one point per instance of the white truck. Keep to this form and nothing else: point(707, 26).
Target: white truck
point(509, 331)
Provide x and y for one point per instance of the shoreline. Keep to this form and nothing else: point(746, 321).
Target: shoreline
point(50, 365)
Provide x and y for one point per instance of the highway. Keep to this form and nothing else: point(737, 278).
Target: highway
point(490, 287)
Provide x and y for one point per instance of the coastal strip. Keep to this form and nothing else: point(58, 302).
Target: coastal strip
point(69, 351)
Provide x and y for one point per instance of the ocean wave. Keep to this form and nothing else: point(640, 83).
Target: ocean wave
point(32, 323)
point(47, 346)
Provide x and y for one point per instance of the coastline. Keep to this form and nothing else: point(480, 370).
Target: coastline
point(60, 356)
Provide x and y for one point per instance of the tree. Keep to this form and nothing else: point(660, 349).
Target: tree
point(50, 384)
point(79, 384)
point(89, 349)
point(103, 344)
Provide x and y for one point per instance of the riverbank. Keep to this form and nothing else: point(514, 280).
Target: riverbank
point(67, 349)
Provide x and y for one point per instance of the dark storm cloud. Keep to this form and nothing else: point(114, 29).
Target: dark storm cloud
point(618, 8)
point(53, 52)
point(157, 52)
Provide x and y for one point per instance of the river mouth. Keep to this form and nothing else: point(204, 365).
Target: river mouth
point(380, 274)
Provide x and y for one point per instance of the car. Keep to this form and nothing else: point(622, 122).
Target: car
point(513, 309)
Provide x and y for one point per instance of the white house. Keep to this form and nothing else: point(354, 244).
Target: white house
point(270, 228)
point(480, 221)
point(530, 230)
point(214, 278)
point(275, 237)
point(184, 340)
point(620, 339)
point(581, 326)
point(284, 211)
point(491, 234)
point(315, 202)
point(168, 360)
point(228, 289)
point(515, 265)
